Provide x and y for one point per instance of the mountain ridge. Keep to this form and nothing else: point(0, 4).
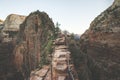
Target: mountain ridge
point(100, 43)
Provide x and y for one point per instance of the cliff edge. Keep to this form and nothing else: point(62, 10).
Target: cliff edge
point(101, 46)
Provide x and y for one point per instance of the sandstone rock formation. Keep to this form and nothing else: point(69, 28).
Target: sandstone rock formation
point(101, 46)
point(31, 47)
point(7, 67)
point(11, 27)
point(1, 25)
point(1, 21)
point(13, 21)
point(33, 43)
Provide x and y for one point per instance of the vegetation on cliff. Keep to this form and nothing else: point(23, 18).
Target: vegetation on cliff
point(101, 45)
point(34, 42)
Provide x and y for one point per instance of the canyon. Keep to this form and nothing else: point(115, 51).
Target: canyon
point(29, 46)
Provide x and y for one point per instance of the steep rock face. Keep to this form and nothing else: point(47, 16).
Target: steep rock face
point(11, 27)
point(101, 46)
point(1, 21)
point(13, 21)
point(34, 36)
point(1, 25)
point(7, 68)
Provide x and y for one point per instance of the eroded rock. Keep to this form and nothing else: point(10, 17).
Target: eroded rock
point(32, 42)
point(101, 45)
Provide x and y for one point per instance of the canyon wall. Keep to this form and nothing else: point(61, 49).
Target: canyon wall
point(100, 46)
point(34, 43)
point(30, 49)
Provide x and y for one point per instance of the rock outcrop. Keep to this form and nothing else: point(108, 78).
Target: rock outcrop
point(7, 67)
point(11, 27)
point(30, 49)
point(33, 43)
point(13, 21)
point(101, 46)
point(7, 45)
point(1, 25)
point(1, 21)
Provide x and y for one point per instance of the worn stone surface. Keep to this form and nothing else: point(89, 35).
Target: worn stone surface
point(30, 48)
point(1, 21)
point(101, 46)
point(32, 43)
point(1, 25)
point(7, 67)
point(10, 27)
point(13, 21)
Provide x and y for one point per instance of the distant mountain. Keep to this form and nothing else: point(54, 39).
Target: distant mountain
point(77, 36)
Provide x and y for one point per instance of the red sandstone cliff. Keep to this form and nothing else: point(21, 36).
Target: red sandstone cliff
point(101, 45)
point(34, 35)
point(29, 50)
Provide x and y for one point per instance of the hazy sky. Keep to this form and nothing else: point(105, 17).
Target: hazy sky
point(73, 15)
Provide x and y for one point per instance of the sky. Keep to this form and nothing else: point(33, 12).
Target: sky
point(74, 16)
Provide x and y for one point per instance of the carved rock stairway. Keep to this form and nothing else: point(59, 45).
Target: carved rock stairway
point(61, 67)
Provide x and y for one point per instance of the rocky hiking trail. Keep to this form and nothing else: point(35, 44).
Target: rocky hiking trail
point(61, 67)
